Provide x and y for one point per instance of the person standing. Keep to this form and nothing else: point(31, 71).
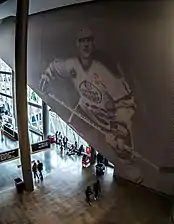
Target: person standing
point(59, 138)
point(65, 141)
point(80, 150)
point(56, 134)
point(75, 146)
point(40, 169)
point(34, 169)
point(99, 158)
point(88, 193)
point(61, 147)
point(2, 134)
point(96, 189)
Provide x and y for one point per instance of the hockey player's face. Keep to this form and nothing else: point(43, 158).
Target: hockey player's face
point(85, 46)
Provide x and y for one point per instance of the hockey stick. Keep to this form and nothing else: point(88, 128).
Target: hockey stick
point(136, 154)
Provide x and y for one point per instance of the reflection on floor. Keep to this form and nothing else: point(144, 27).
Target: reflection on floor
point(60, 198)
point(51, 158)
point(8, 144)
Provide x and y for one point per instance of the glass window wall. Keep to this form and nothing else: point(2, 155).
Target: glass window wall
point(6, 100)
point(57, 124)
point(34, 108)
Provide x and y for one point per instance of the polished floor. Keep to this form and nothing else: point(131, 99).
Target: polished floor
point(61, 199)
point(8, 144)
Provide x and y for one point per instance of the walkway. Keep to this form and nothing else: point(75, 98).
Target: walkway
point(60, 198)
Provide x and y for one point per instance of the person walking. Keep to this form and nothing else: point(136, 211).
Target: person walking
point(96, 189)
point(88, 193)
point(40, 169)
point(34, 169)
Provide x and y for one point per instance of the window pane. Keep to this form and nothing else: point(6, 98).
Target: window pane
point(6, 105)
point(35, 118)
point(62, 126)
point(33, 97)
point(71, 135)
point(53, 122)
point(6, 84)
point(4, 67)
point(82, 142)
point(5, 79)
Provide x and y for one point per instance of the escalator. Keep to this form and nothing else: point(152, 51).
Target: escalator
point(114, 95)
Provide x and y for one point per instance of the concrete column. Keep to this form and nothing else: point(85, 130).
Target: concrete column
point(45, 117)
point(14, 98)
point(21, 90)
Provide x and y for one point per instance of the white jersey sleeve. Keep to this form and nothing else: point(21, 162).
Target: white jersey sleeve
point(57, 68)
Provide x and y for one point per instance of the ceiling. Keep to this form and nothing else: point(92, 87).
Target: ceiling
point(8, 7)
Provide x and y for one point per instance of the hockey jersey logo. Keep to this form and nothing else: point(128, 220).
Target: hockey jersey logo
point(90, 92)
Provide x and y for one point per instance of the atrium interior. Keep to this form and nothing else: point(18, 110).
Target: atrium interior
point(86, 112)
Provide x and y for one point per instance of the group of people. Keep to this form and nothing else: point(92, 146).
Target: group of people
point(37, 169)
point(89, 192)
point(63, 142)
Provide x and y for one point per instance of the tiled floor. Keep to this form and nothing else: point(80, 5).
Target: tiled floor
point(10, 170)
point(60, 198)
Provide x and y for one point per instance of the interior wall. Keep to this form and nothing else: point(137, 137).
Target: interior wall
point(136, 39)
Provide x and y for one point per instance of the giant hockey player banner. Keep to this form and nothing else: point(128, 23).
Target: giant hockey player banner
point(106, 73)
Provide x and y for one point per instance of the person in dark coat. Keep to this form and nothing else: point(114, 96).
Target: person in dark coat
point(34, 169)
point(75, 146)
point(96, 189)
point(56, 137)
point(40, 169)
point(99, 158)
point(88, 193)
point(80, 150)
point(59, 138)
point(65, 141)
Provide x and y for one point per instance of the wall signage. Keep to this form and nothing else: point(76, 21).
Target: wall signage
point(40, 145)
point(5, 156)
